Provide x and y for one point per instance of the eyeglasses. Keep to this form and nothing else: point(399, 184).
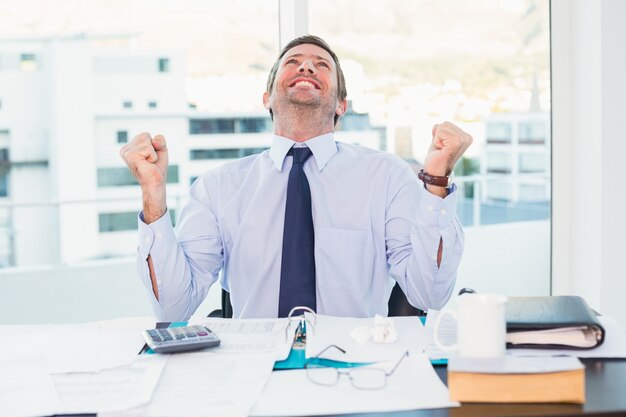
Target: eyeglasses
point(369, 378)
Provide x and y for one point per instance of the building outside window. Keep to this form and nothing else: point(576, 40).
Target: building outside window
point(127, 104)
point(211, 126)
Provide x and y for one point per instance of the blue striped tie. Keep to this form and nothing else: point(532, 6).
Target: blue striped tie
point(297, 276)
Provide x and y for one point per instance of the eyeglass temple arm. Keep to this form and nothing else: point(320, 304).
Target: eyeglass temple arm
point(404, 355)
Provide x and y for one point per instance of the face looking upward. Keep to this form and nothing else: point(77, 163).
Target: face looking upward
point(306, 78)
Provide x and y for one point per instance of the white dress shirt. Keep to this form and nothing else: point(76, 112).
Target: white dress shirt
point(374, 223)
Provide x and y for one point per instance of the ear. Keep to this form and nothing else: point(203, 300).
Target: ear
point(266, 100)
point(342, 106)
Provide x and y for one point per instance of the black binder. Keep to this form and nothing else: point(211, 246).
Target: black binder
point(558, 322)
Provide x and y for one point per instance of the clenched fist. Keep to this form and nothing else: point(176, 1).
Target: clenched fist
point(448, 145)
point(146, 158)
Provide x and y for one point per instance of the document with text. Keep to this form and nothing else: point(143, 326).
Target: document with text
point(413, 386)
point(252, 335)
point(206, 383)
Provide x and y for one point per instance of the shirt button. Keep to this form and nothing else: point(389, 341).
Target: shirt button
point(147, 240)
point(158, 235)
point(159, 282)
point(443, 212)
point(430, 208)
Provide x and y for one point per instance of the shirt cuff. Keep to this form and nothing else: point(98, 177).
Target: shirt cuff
point(437, 211)
point(154, 234)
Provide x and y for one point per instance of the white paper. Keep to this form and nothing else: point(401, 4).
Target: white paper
point(252, 335)
point(121, 340)
point(112, 389)
point(207, 383)
point(414, 385)
point(26, 389)
point(86, 347)
point(336, 331)
point(515, 365)
point(614, 345)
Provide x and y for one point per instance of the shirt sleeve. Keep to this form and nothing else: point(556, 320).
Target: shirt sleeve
point(186, 261)
point(416, 221)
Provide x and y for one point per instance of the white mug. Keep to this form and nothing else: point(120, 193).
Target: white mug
point(481, 326)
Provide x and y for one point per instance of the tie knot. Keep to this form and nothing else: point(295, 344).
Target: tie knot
point(300, 155)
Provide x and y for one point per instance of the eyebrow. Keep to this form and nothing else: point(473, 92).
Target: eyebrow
point(301, 55)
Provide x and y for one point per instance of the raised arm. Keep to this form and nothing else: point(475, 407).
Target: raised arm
point(177, 269)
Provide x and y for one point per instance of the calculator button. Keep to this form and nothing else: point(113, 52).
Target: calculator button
point(203, 334)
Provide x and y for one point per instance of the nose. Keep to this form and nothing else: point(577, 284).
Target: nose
point(307, 65)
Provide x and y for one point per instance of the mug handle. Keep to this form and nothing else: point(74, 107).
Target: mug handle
point(441, 346)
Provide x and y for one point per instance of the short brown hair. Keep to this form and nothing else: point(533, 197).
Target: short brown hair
point(317, 41)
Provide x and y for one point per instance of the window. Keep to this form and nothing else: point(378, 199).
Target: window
point(197, 154)
point(193, 179)
point(122, 136)
point(4, 172)
point(256, 124)
point(4, 184)
point(197, 54)
point(120, 177)
point(211, 126)
point(28, 62)
point(533, 133)
point(498, 132)
point(499, 163)
point(533, 162)
point(164, 65)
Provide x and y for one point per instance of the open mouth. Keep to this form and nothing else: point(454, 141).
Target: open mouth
point(305, 82)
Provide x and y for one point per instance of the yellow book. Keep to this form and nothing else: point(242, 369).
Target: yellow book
point(519, 380)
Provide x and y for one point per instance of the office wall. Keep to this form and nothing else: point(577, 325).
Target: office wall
point(589, 86)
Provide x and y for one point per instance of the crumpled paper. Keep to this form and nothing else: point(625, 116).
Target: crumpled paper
point(384, 331)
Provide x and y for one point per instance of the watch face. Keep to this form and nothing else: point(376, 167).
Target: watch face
point(450, 180)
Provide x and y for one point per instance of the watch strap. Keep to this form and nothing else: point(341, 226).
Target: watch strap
point(434, 179)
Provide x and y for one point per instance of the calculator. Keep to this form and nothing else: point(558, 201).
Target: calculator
point(180, 339)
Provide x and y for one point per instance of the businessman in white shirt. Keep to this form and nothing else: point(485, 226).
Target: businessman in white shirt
point(310, 221)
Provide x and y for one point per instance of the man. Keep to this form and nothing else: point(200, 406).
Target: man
point(326, 224)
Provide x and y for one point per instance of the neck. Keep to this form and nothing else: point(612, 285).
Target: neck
point(301, 124)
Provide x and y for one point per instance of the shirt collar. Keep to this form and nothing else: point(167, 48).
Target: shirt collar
point(323, 148)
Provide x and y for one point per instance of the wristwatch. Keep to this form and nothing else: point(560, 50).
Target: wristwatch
point(445, 182)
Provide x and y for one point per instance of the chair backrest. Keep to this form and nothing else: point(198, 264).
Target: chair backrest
point(398, 305)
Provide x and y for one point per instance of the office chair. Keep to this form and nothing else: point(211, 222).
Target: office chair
point(398, 305)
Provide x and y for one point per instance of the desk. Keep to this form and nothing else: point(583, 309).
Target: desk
point(605, 381)
point(605, 389)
